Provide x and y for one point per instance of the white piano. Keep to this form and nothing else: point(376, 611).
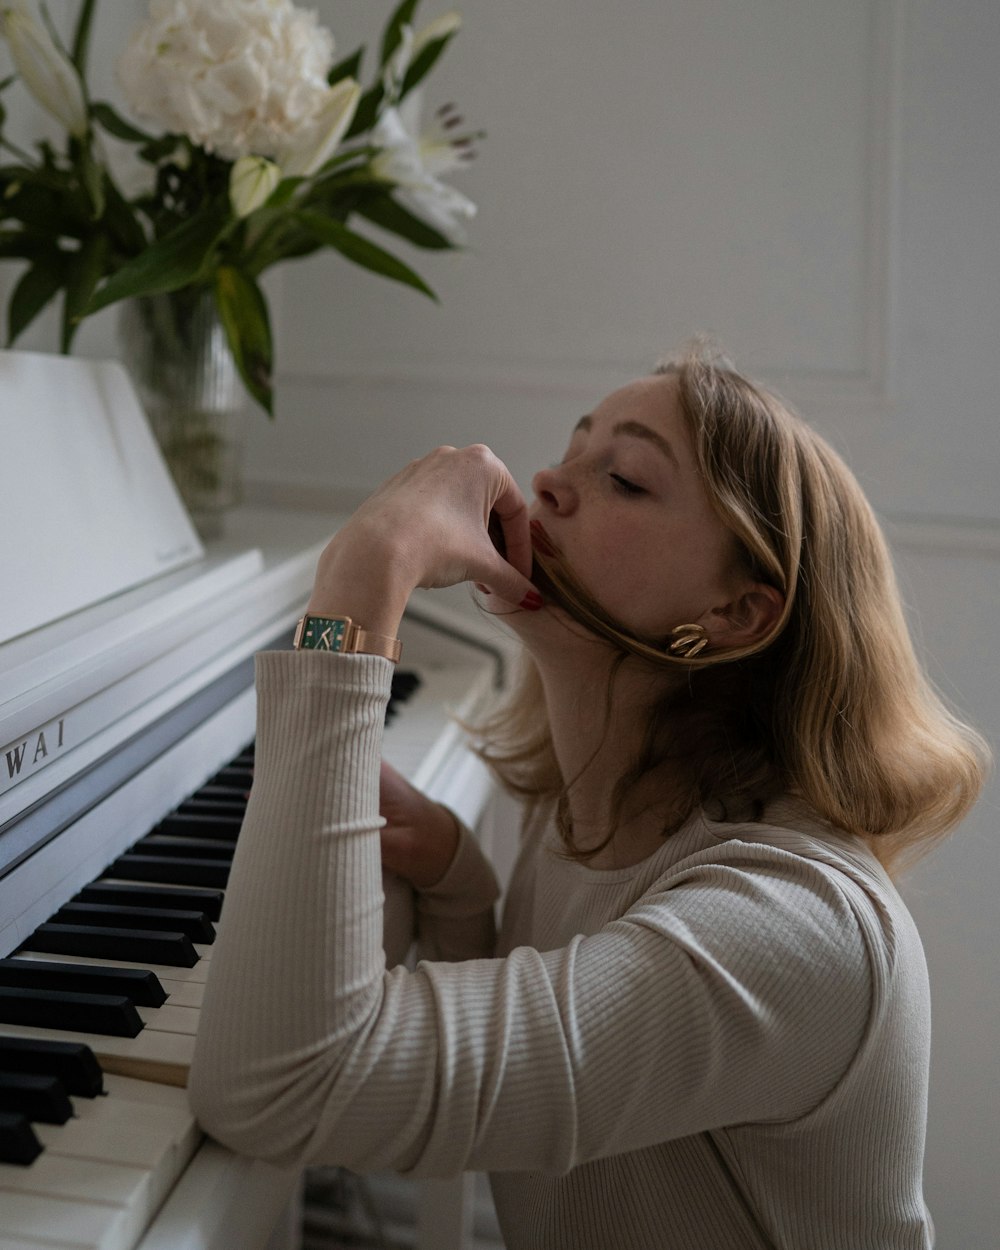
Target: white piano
point(126, 727)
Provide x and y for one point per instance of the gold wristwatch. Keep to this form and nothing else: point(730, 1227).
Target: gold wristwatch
point(339, 633)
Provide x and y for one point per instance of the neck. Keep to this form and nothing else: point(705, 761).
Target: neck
point(598, 708)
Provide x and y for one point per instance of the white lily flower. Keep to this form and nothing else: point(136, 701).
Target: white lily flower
point(316, 140)
point(413, 160)
point(251, 181)
point(410, 46)
point(46, 71)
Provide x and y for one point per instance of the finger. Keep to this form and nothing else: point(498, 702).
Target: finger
point(503, 580)
point(511, 511)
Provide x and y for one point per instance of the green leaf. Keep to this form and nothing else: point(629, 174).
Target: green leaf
point(19, 245)
point(128, 234)
point(36, 286)
point(349, 67)
point(386, 212)
point(92, 178)
point(83, 272)
point(48, 210)
point(361, 250)
point(116, 125)
point(180, 258)
point(157, 149)
point(403, 16)
point(243, 311)
point(424, 62)
point(81, 37)
point(366, 114)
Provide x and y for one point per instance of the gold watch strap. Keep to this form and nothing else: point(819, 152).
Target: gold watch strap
point(340, 634)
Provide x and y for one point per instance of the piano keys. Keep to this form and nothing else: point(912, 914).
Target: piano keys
point(125, 704)
point(147, 1029)
point(102, 1175)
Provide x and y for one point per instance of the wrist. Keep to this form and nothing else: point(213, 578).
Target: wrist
point(367, 582)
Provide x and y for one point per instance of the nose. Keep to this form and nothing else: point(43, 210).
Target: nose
point(554, 489)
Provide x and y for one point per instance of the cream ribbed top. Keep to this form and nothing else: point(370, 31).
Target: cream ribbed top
point(724, 1047)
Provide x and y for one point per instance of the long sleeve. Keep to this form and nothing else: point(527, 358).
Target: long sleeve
point(455, 918)
point(738, 991)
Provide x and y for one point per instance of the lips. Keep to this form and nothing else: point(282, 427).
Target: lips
point(540, 540)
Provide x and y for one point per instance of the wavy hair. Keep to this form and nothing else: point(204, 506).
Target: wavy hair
point(831, 706)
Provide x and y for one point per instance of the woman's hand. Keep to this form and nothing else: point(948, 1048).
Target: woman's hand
point(428, 526)
point(419, 838)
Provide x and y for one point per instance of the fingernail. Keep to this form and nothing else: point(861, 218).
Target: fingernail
point(532, 601)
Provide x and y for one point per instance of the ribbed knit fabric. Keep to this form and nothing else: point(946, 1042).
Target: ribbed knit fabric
point(724, 1047)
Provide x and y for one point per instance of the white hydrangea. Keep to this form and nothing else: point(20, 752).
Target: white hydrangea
point(237, 77)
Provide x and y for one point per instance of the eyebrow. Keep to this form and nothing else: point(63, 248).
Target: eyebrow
point(636, 430)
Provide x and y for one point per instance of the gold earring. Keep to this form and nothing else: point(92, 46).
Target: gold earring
point(690, 640)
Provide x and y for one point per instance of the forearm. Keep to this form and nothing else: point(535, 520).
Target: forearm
point(455, 917)
point(303, 931)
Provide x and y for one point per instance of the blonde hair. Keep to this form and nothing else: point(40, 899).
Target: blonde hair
point(831, 705)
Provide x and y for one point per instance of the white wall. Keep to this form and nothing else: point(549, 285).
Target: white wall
point(816, 181)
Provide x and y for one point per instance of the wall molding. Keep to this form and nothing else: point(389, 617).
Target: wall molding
point(863, 393)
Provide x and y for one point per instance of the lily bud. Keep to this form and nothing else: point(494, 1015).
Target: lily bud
point(317, 142)
point(46, 71)
point(440, 28)
point(251, 182)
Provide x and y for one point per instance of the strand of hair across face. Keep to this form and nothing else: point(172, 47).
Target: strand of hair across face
point(556, 582)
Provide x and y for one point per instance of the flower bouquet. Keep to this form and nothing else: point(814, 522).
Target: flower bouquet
point(267, 149)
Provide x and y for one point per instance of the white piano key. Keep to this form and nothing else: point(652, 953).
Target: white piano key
point(88, 1225)
point(64, 1176)
point(170, 1018)
point(154, 1055)
point(183, 993)
point(103, 1175)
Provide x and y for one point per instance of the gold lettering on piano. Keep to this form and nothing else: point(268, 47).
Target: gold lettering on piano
point(21, 758)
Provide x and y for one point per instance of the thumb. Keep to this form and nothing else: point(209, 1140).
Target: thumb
point(503, 580)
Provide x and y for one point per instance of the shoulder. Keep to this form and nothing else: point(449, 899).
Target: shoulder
point(814, 899)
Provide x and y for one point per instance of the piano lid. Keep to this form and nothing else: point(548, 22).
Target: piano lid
point(87, 507)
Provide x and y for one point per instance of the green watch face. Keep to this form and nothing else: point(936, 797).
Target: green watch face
point(321, 633)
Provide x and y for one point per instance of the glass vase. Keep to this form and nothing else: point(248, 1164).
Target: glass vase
point(175, 347)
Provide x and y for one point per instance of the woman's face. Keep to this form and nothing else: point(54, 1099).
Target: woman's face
point(630, 515)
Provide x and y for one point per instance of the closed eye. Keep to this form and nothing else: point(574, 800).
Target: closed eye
point(624, 486)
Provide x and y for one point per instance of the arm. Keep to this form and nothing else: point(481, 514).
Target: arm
point(309, 1050)
point(738, 993)
point(452, 885)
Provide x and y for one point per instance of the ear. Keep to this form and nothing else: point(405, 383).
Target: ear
point(746, 619)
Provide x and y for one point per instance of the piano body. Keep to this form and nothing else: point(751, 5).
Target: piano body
point(126, 728)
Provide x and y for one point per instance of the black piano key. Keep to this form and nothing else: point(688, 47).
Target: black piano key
point(110, 1014)
point(216, 793)
point(402, 687)
point(131, 893)
point(136, 984)
point(201, 825)
point(130, 945)
point(194, 924)
point(183, 848)
point(18, 1143)
point(72, 1062)
point(234, 808)
point(41, 1098)
point(208, 873)
point(242, 777)
point(404, 684)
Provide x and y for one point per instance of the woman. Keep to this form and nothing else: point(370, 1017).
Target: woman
point(705, 1020)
